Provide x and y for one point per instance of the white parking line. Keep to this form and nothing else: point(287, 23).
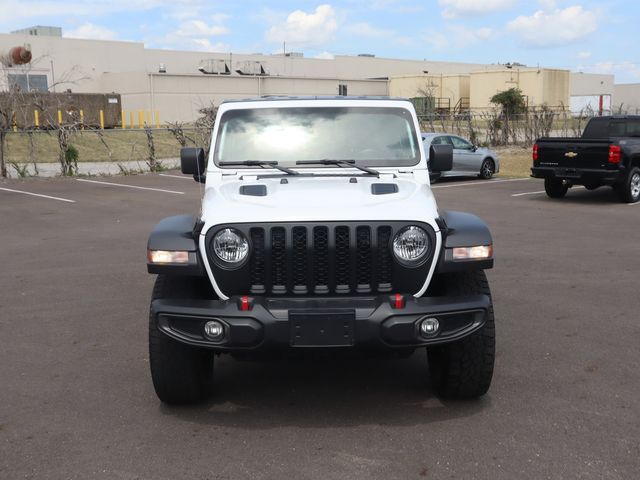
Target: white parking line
point(129, 186)
point(480, 182)
point(541, 191)
point(176, 176)
point(38, 195)
point(527, 193)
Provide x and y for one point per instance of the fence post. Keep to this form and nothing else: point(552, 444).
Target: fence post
point(157, 119)
point(14, 124)
point(82, 119)
point(101, 119)
point(36, 118)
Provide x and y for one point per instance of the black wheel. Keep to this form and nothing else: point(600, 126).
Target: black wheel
point(181, 374)
point(464, 369)
point(555, 188)
point(487, 169)
point(629, 190)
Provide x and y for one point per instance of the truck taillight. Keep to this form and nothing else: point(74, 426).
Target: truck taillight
point(614, 154)
point(535, 152)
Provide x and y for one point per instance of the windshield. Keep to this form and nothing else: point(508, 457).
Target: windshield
point(371, 136)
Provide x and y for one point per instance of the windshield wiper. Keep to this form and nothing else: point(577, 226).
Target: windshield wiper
point(340, 163)
point(259, 163)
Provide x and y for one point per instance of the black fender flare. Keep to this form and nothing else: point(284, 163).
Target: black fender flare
point(461, 229)
point(177, 233)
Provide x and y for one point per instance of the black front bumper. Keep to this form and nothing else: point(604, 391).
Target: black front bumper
point(276, 323)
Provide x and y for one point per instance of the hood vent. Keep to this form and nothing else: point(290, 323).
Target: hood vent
point(383, 188)
point(254, 190)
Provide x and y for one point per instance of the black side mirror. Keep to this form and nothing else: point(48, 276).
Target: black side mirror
point(192, 163)
point(440, 158)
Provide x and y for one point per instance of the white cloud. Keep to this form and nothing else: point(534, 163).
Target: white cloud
point(204, 45)
point(91, 31)
point(302, 29)
point(584, 54)
point(363, 29)
point(458, 36)
point(555, 28)
point(324, 56)
point(194, 35)
point(195, 28)
point(625, 71)
point(463, 8)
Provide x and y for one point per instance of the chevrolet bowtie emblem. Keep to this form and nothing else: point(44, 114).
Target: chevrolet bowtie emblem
point(571, 154)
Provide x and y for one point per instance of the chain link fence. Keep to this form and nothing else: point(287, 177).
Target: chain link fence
point(498, 128)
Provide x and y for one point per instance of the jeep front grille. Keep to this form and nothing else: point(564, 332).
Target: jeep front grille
point(320, 259)
point(332, 258)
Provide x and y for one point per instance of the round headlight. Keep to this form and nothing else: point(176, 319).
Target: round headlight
point(411, 244)
point(230, 246)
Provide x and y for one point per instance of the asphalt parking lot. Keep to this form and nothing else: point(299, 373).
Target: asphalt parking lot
point(76, 399)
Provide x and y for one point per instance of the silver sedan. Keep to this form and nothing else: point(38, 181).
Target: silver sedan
point(467, 158)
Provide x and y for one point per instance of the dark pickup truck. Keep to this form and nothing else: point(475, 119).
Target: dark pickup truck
point(608, 153)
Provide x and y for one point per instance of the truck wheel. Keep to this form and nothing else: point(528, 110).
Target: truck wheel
point(180, 373)
point(629, 191)
point(487, 169)
point(555, 188)
point(464, 369)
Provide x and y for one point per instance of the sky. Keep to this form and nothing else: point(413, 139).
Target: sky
point(588, 36)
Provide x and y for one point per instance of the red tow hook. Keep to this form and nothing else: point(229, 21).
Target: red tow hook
point(398, 301)
point(244, 304)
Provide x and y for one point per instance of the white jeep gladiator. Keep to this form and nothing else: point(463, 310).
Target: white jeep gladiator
point(319, 230)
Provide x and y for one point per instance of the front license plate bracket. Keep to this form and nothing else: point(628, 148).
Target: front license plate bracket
point(324, 328)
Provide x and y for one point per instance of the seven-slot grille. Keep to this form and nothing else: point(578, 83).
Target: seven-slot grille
point(320, 259)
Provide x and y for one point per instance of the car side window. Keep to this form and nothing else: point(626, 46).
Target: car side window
point(439, 141)
point(460, 143)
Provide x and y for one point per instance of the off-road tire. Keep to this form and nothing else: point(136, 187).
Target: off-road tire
point(629, 190)
point(555, 188)
point(463, 369)
point(181, 374)
point(487, 169)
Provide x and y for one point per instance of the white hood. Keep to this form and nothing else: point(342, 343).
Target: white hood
point(319, 198)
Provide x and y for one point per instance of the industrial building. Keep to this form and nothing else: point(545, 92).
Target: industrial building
point(176, 84)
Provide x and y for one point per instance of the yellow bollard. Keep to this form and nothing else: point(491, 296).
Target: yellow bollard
point(123, 117)
point(59, 117)
point(13, 121)
point(36, 117)
point(148, 117)
point(82, 119)
point(101, 119)
point(140, 118)
point(157, 119)
point(131, 119)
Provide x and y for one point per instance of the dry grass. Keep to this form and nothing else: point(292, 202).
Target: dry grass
point(123, 145)
point(514, 161)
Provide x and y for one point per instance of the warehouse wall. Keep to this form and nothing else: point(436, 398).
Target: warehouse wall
point(179, 97)
point(540, 86)
point(626, 98)
point(452, 87)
